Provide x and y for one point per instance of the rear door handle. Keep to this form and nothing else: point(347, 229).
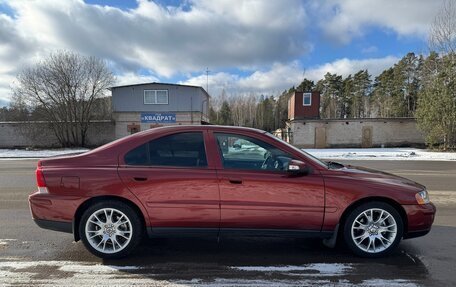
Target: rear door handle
point(140, 178)
point(235, 181)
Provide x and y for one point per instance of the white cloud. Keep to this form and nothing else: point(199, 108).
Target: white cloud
point(131, 78)
point(278, 78)
point(369, 50)
point(166, 41)
point(344, 19)
point(262, 38)
point(281, 77)
point(346, 67)
point(272, 81)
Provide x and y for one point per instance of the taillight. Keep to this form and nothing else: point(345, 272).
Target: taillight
point(40, 178)
point(40, 181)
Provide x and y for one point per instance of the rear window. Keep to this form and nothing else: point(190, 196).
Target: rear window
point(137, 156)
point(182, 150)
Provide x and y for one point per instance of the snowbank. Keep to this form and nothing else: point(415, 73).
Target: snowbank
point(330, 154)
point(381, 154)
point(22, 153)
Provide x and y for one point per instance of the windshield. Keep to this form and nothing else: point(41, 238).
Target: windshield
point(309, 156)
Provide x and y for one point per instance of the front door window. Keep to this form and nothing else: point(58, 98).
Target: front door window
point(243, 152)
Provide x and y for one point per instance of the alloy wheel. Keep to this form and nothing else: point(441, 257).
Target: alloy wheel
point(108, 230)
point(374, 230)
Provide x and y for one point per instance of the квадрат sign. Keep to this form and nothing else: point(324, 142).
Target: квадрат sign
point(158, 118)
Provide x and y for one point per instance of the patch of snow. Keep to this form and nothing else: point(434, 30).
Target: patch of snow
point(29, 154)
point(78, 274)
point(97, 268)
point(30, 264)
point(4, 242)
point(381, 154)
point(221, 282)
point(388, 283)
point(323, 269)
point(68, 266)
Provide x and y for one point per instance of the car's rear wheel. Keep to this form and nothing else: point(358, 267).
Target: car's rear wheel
point(373, 229)
point(110, 229)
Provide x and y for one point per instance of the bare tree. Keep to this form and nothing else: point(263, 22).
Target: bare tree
point(65, 87)
point(243, 108)
point(442, 36)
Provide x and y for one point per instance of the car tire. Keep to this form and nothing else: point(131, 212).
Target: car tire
point(110, 229)
point(373, 229)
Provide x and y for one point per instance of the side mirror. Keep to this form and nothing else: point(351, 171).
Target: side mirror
point(297, 167)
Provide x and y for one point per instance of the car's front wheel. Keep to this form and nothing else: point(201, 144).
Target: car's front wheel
point(110, 229)
point(373, 229)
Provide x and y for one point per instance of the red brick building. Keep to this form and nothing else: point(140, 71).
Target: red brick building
point(304, 105)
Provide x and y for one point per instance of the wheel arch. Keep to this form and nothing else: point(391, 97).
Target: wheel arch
point(361, 201)
point(86, 204)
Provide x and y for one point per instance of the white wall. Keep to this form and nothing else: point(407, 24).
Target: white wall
point(15, 134)
point(348, 133)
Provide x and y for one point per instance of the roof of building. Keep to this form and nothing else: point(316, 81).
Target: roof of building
point(157, 83)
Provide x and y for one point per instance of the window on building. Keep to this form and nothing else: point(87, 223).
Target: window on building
point(181, 150)
point(156, 97)
point(307, 99)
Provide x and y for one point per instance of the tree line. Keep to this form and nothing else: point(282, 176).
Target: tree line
point(416, 86)
point(393, 93)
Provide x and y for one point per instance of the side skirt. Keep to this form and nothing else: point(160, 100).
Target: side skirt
point(161, 232)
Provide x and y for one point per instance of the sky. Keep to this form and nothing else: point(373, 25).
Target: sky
point(247, 46)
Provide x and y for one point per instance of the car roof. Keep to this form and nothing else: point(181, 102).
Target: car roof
point(178, 128)
point(169, 129)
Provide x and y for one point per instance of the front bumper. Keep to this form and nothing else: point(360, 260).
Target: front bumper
point(419, 219)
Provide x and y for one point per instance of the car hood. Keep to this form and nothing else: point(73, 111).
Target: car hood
point(380, 177)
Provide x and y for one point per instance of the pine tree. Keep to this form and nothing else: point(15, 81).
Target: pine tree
point(225, 117)
point(436, 112)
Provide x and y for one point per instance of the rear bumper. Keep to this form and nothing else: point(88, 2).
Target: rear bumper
point(54, 212)
point(54, 207)
point(55, 225)
point(419, 219)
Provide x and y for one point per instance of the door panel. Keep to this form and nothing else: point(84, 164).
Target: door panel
point(173, 178)
point(176, 197)
point(256, 192)
point(271, 200)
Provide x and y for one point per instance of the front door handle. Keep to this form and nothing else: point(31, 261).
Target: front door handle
point(140, 178)
point(235, 181)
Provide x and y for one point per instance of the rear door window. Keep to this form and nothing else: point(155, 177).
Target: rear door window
point(181, 150)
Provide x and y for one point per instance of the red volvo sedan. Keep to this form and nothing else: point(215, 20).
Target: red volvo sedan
point(221, 181)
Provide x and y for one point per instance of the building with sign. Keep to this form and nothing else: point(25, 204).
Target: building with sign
point(144, 106)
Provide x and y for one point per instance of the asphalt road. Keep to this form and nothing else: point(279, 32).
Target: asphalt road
point(33, 256)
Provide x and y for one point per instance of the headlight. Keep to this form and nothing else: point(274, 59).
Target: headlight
point(422, 197)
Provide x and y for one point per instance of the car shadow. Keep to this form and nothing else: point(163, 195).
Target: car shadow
point(207, 259)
